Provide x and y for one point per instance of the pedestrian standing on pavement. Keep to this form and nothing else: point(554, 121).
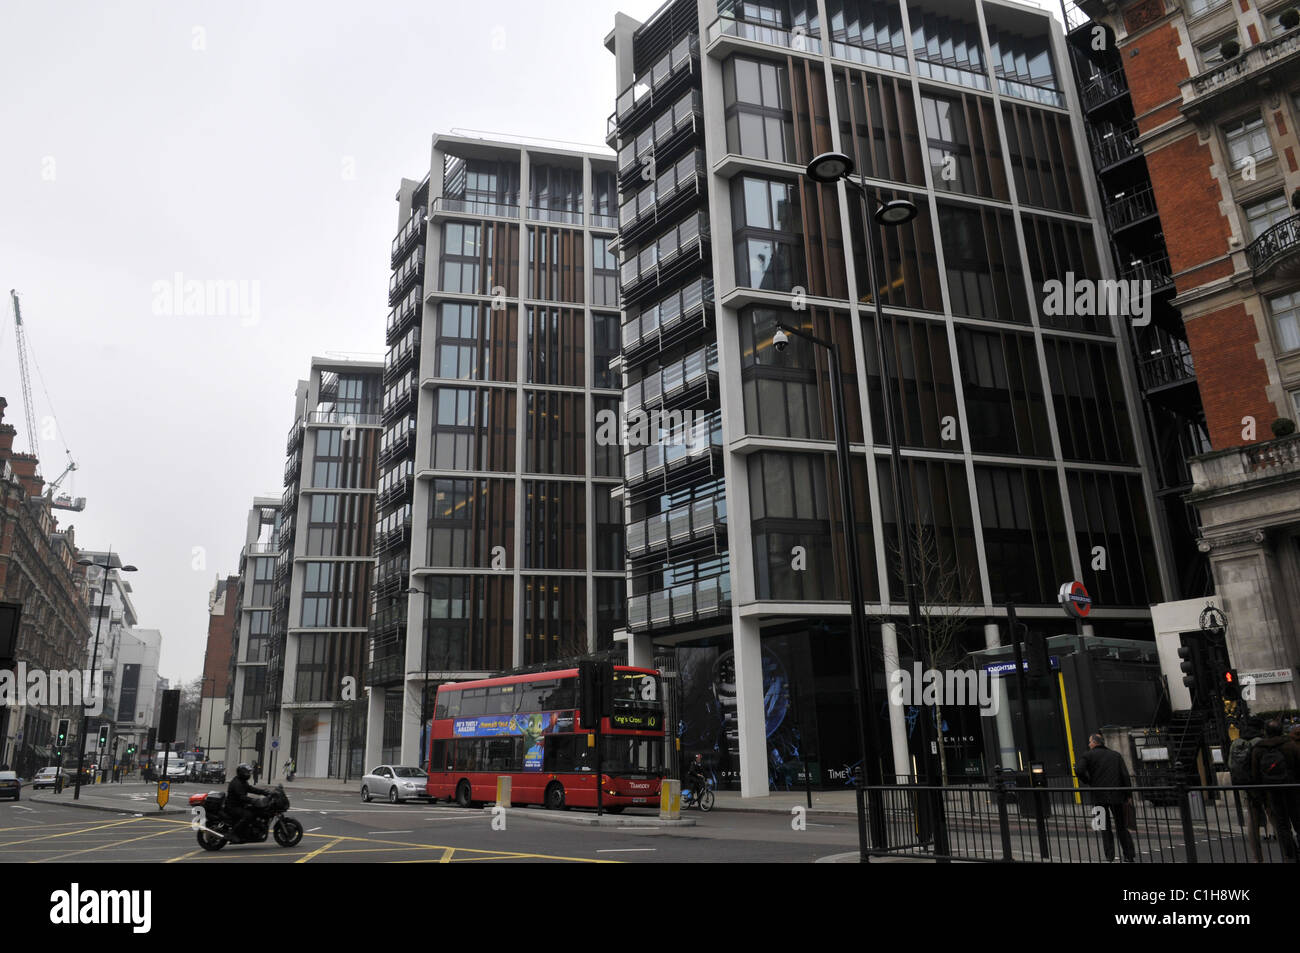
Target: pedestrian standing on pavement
point(1275, 764)
point(1239, 768)
point(257, 771)
point(1106, 771)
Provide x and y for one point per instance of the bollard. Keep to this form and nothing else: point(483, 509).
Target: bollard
point(670, 799)
point(1185, 809)
point(1004, 824)
point(503, 791)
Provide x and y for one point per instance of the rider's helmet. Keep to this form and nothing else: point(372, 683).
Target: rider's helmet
point(244, 771)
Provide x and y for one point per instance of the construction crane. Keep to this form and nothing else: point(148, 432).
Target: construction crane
point(63, 502)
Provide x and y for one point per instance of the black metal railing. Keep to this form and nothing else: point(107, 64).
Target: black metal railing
point(1275, 244)
point(1003, 822)
point(1132, 206)
point(1155, 270)
point(1164, 369)
point(1103, 87)
point(1114, 146)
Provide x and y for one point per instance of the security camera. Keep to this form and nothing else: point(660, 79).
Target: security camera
point(779, 341)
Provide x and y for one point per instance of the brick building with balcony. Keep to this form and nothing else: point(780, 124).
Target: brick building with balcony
point(1212, 89)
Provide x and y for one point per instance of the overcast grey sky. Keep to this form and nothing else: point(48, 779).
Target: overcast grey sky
point(215, 139)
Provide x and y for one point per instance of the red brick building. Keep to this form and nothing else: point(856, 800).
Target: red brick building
point(39, 572)
point(217, 663)
point(1214, 87)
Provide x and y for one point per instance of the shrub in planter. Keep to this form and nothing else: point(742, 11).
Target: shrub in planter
point(1229, 49)
point(1283, 427)
point(1290, 18)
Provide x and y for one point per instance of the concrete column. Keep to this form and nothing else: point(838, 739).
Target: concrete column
point(640, 650)
point(897, 722)
point(1005, 733)
point(374, 728)
point(410, 749)
point(750, 712)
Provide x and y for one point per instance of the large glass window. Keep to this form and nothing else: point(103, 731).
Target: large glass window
point(604, 273)
point(758, 115)
point(1247, 140)
point(1088, 396)
point(1064, 252)
point(555, 618)
point(943, 532)
point(1005, 406)
point(555, 346)
point(769, 248)
point(474, 429)
point(985, 276)
point(556, 426)
point(469, 623)
point(787, 394)
point(947, 49)
point(878, 128)
point(608, 528)
point(1025, 540)
point(607, 343)
point(477, 342)
point(555, 264)
point(1112, 530)
point(555, 524)
point(868, 32)
point(468, 520)
point(1044, 162)
point(460, 257)
point(1264, 214)
point(963, 143)
point(1285, 310)
point(924, 394)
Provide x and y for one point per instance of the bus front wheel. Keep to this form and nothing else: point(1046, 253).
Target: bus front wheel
point(555, 796)
point(463, 794)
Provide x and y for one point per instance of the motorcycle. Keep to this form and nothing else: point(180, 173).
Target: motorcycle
point(215, 828)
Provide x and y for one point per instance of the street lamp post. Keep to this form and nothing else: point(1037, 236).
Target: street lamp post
point(829, 168)
point(94, 660)
point(868, 740)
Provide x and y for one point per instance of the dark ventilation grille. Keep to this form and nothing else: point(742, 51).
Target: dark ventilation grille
point(659, 34)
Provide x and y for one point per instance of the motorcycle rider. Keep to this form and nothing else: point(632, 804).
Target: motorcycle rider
point(238, 801)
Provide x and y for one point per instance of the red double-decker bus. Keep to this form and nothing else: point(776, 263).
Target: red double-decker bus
point(531, 728)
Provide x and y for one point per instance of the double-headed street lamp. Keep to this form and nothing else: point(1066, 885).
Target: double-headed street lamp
point(830, 168)
point(106, 565)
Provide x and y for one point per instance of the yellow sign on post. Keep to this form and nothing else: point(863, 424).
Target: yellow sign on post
point(670, 799)
point(164, 792)
point(503, 790)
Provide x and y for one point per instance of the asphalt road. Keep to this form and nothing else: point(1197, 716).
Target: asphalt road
point(340, 829)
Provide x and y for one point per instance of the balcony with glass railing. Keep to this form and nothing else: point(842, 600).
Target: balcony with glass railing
point(343, 418)
point(796, 38)
point(680, 605)
point(407, 235)
point(684, 178)
point(675, 450)
point(681, 119)
point(682, 525)
point(663, 79)
point(649, 267)
point(477, 207)
point(404, 313)
point(676, 379)
point(406, 276)
point(559, 216)
point(646, 326)
point(295, 436)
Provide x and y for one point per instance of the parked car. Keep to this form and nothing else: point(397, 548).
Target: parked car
point(10, 786)
point(396, 783)
point(46, 776)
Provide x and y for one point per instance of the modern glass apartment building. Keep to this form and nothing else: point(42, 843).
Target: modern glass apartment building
point(246, 691)
point(1018, 419)
point(500, 540)
point(321, 590)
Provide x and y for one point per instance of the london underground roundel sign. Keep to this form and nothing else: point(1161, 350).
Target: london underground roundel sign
point(1075, 600)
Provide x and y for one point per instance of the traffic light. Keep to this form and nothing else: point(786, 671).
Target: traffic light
point(62, 734)
point(103, 736)
point(595, 690)
point(1192, 667)
point(1037, 662)
point(130, 749)
point(1229, 687)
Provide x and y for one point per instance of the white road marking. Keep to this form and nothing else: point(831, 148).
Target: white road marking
point(19, 807)
point(626, 850)
point(392, 832)
point(312, 830)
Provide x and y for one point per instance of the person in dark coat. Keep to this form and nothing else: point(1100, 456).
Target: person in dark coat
point(1275, 760)
point(238, 796)
point(1102, 768)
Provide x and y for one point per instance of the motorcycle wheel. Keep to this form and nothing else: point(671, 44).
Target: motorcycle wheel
point(210, 841)
point(288, 832)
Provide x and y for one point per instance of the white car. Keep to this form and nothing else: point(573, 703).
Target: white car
point(396, 783)
point(46, 776)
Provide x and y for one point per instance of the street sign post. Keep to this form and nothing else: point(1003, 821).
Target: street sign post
point(164, 792)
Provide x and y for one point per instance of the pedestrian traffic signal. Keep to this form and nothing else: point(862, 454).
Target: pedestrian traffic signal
point(103, 736)
point(1229, 687)
point(1192, 666)
point(62, 734)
